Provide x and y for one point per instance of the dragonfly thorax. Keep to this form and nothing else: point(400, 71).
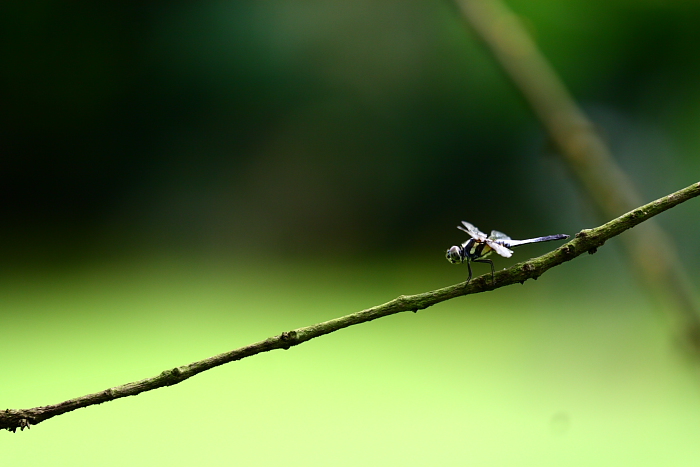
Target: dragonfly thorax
point(476, 249)
point(471, 249)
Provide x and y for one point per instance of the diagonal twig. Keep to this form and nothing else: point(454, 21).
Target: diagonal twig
point(588, 240)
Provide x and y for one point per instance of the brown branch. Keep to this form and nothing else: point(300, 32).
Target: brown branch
point(652, 252)
point(585, 241)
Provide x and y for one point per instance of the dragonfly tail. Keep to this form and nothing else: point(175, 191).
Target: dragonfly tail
point(548, 238)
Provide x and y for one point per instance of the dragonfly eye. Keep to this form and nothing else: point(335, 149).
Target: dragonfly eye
point(454, 255)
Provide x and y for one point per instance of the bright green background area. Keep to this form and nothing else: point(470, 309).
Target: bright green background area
point(573, 369)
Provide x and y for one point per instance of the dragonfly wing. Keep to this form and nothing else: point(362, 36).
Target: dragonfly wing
point(500, 249)
point(496, 235)
point(472, 231)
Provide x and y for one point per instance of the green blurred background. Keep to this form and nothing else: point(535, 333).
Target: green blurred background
point(179, 179)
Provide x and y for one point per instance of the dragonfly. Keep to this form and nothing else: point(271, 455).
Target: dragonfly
point(479, 246)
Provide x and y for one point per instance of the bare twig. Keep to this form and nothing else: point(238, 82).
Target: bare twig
point(585, 241)
point(651, 251)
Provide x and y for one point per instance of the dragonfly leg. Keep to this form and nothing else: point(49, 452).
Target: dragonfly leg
point(493, 279)
point(469, 266)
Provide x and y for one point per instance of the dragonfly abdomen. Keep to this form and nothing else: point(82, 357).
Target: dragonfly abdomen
point(548, 238)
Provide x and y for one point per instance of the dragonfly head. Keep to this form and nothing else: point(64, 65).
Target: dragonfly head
point(455, 255)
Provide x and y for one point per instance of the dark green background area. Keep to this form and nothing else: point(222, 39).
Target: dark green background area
point(319, 127)
point(182, 178)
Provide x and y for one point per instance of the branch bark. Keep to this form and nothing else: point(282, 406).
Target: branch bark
point(588, 240)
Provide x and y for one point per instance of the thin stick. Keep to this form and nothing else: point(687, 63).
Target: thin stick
point(585, 241)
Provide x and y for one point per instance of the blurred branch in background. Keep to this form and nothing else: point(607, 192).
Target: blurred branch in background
point(585, 241)
point(652, 253)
